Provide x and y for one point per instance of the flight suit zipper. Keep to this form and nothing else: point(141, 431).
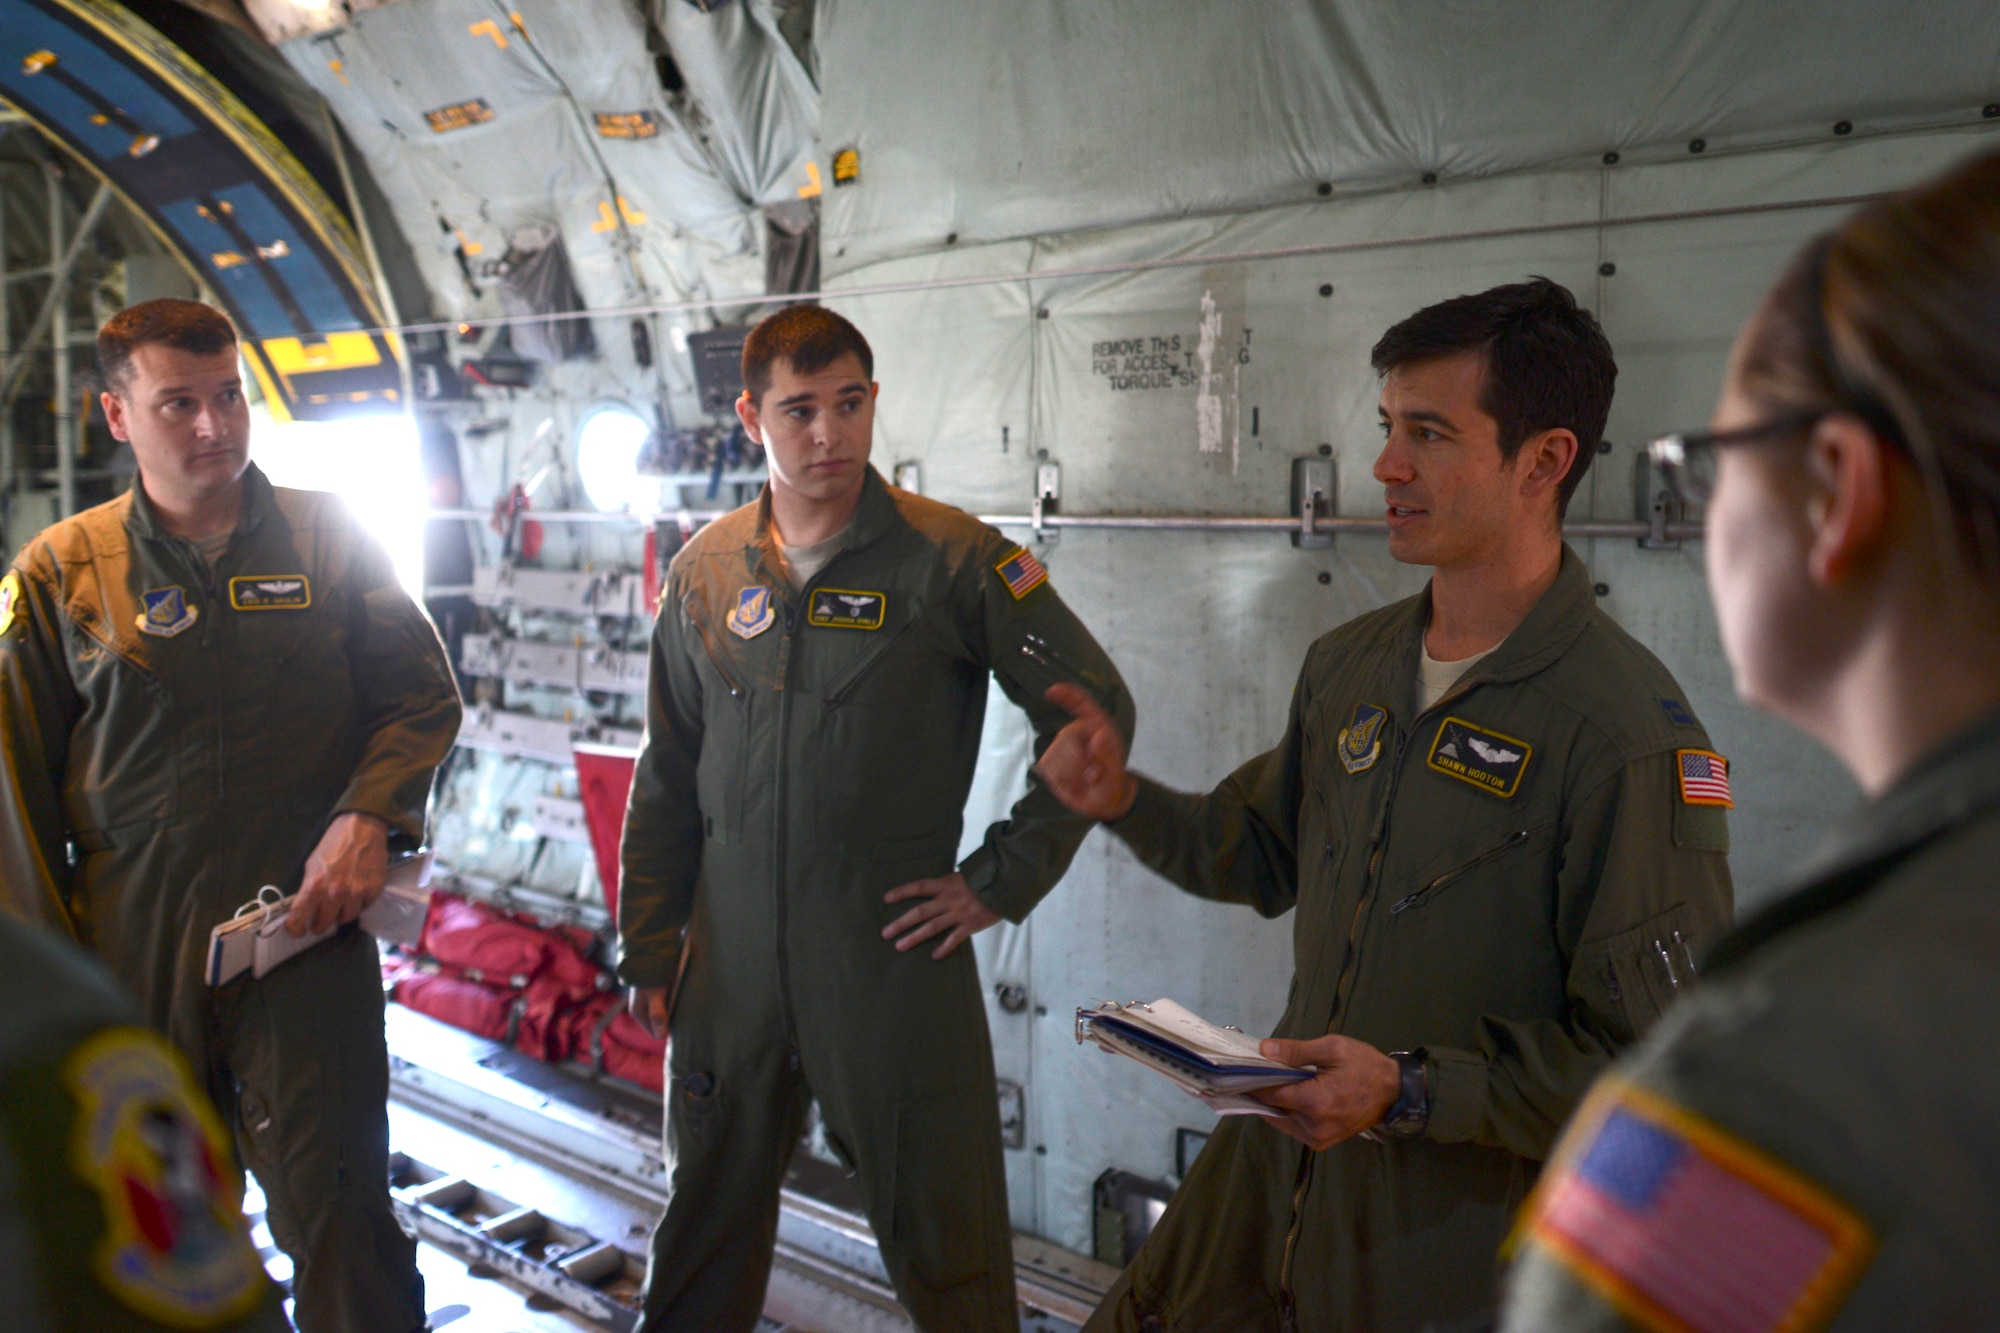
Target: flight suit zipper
point(1350, 960)
point(779, 840)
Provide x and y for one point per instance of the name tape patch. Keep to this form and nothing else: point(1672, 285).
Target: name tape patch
point(1021, 572)
point(1361, 739)
point(846, 608)
point(270, 592)
point(1704, 778)
point(1684, 1227)
point(1488, 760)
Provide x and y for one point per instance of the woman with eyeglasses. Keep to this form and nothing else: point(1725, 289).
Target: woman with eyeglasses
point(1812, 1138)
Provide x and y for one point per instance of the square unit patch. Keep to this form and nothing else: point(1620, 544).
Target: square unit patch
point(1685, 1228)
point(844, 608)
point(270, 592)
point(1486, 759)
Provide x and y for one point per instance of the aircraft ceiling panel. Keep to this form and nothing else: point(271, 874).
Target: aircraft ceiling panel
point(476, 125)
point(995, 121)
point(217, 186)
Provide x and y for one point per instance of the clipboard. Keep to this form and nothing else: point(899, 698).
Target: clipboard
point(255, 940)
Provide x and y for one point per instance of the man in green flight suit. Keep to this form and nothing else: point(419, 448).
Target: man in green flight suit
point(208, 685)
point(1479, 812)
point(118, 1207)
point(818, 679)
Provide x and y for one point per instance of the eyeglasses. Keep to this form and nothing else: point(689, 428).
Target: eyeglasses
point(1687, 459)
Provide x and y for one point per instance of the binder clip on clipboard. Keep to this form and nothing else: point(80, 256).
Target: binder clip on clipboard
point(1216, 1064)
point(255, 940)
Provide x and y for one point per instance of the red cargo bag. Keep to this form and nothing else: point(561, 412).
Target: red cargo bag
point(481, 943)
point(486, 1011)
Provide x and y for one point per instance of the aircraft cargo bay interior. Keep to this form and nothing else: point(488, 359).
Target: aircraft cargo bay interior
point(660, 523)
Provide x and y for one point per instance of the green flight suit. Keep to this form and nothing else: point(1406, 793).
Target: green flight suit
point(171, 739)
point(1510, 882)
point(1823, 1110)
point(117, 1206)
point(803, 756)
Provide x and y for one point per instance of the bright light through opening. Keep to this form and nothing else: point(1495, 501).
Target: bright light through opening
point(607, 458)
point(373, 463)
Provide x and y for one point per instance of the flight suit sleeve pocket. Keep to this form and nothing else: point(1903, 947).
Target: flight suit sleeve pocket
point(1630, 978)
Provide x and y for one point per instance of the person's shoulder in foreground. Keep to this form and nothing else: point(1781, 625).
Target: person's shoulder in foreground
point(118, 1202)
point(1801, 1137)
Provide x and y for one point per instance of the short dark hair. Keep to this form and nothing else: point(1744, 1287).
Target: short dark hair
point(808, 338)
point(1548, 363)
point(169, 321)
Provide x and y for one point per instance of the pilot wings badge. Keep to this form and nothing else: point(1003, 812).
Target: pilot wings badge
point(753, 614)
point(1361, 738)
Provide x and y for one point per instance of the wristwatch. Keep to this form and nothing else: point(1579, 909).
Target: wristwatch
point(1412, 1110)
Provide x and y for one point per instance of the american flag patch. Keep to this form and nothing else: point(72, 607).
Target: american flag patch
point(1705, 778)
point(1686, 1229)
point(1021, 572)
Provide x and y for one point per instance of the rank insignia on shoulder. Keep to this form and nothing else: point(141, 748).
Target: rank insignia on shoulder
point(843, 608)
point(1021, 572)
point(1678, 713)
point(167, 612)
point(1682, 1226)
point(11, 595)
point(175, 1247)
point(1486, 759)
point(753, 613)
point(1704, 778)
point(270, 592)
point(1361, 738)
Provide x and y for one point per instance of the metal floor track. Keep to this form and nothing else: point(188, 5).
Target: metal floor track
point(551, 1179)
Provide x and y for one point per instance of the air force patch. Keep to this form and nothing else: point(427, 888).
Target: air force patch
point(167, 612)
point(753, 614)
point(10, 601)
point(174, 1246)
point(270, 592)
point(1361, 738)
point(842, 608)
point(1486, 759)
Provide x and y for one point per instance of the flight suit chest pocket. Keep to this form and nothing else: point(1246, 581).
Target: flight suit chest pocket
point(722, 771)
point(1518, 854)
point(870, 655)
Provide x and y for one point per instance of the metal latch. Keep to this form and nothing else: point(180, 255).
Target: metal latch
point(1048, 489)
point(1655, 504)
point(1315, 496)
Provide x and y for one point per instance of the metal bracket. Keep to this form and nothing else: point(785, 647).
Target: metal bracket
point(1048, 490)
point(1013, 1114)
point(1655, 505)
point(1315, 496)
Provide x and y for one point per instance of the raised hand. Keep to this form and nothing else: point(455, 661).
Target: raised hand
point(1085, 764)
